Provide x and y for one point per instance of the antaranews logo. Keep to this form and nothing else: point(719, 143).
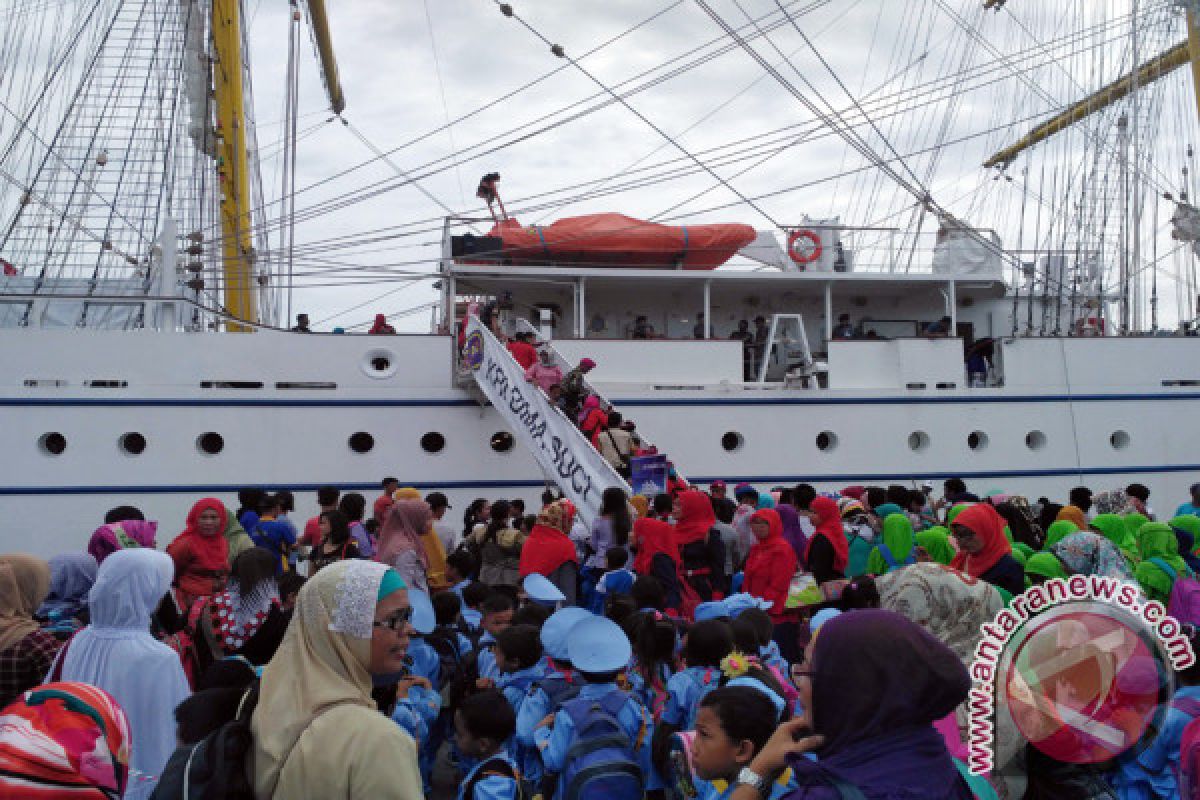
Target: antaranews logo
point(1083, 666)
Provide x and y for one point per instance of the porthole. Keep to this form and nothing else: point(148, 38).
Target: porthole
point(433, 442)
point(1035, 440)
point(52, 444)
point(380, 363)
point(977, 440)
point(732, 440)
point(1119, 440)
point(210, 443)
point(132, 443)
point(361, 442)
point(502, 441)
point(826, 441)
point(918, 441)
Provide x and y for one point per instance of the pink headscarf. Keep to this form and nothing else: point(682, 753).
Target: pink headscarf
point(406, 520)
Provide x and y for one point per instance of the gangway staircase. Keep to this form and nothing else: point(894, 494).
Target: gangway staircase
point(565, 455)
point(524, 326)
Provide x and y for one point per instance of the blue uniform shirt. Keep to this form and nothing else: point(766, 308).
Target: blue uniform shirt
point(491, 787)
point(684, 692)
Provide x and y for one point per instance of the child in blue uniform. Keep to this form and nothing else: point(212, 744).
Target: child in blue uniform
point(707, 643)
point(558, 681)
point(519, 656)
point(732, 724)
point(599, 649)
point(497, 615)
point(617, 580)
point(482, 724)
point(473, 595)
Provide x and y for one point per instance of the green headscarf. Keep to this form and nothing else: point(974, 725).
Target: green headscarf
point(1021, 552)
point(1045, 565)
point(1189, 523)
point(1157, 540)
point(954, 512)
point(1134, 523)
point(239, 541)
point(936, 542)
point(1113, 528)
point(1058, 531)
point(898, 536)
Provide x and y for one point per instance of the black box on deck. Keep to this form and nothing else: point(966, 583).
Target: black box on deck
point(471, 245)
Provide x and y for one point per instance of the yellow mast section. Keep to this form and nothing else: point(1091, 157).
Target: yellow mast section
point(1194, 49)
point(232, 166)
point(1151, 71)
point(320, 27)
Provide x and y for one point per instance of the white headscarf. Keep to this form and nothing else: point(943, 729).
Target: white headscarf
point(117, 653)
point(321, 664)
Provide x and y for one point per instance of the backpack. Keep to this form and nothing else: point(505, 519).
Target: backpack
point(464, 685)
point(704, 688)
point(601, 763)
point(214, 768)
point(1188, 776)
point(444, 641)
point(886, 552)
point(495, 766)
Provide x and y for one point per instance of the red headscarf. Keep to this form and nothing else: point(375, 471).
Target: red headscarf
point(696, 517)
point(200, 561)
point(653, 537)
point(770, 564)
point(829, 525)
point(548, 546)
point(988, 525)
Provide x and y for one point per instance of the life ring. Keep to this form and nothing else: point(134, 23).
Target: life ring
point(802, 257)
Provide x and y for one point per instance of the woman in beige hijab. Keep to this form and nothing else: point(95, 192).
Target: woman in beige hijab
point(316, 730)
point(26, 651)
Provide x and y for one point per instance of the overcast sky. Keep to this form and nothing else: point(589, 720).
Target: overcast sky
point(407, 67)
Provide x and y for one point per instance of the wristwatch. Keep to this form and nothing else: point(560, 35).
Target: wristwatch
point(748, 777)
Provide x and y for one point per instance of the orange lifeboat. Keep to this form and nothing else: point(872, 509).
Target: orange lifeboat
point(615, 240)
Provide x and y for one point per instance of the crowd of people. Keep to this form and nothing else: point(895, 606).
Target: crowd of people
point(383, 650)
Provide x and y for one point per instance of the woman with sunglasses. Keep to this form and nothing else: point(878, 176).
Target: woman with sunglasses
point(317, 732)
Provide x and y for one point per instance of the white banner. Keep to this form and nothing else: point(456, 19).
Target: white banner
point(563, 452)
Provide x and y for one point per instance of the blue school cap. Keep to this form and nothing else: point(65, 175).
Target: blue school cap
point(558, 627)
point(735, 604)
point(541, 590)
point(598, 645)
point(714, 609)
point(423, 618)
point(821, 617)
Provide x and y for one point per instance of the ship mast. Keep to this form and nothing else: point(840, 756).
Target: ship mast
point(233, 168)
point(237, 256)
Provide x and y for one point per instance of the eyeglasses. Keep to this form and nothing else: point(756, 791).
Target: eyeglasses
point(397, 621)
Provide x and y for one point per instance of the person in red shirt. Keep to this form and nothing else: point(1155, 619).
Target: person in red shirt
point(327, 499)
point(385, 500)
point(523, 351)
point(770, 564)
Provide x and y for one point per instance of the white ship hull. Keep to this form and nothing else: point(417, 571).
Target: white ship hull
point(1100, 412)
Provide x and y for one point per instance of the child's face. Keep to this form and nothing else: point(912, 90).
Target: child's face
point(496, 621)
point(468, 744)
point(506, 664)
point(452, 575)
point(714, 754)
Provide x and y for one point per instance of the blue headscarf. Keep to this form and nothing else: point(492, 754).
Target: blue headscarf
point(71, 578)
